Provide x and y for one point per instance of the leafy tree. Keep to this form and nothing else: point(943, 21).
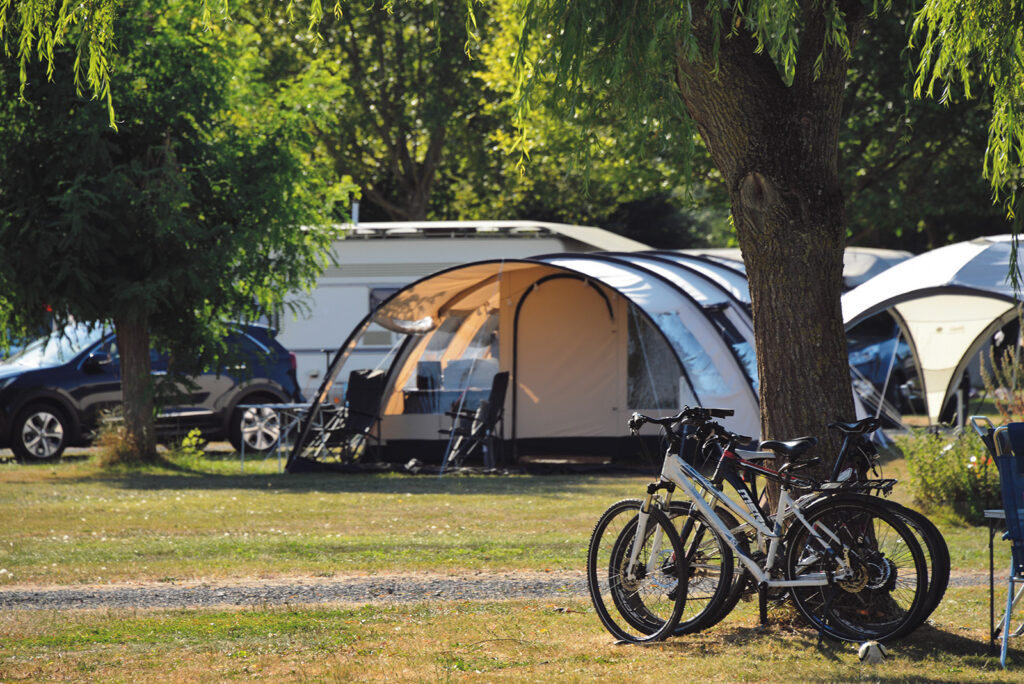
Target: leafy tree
point(398, 97)
point(763, 84)
point(190, 213)
point(911, 168)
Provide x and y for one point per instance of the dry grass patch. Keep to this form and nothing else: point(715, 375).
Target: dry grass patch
point(468, 641)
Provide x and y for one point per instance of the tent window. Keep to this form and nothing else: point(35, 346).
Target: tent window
point(485, 342)
point(743, 349)
point(442, 337)
point(700, 369)
point(653, 371)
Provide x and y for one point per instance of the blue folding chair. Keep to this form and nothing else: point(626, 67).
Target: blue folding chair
point(1009, 448)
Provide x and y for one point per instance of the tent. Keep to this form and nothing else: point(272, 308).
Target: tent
point(587, 339)
point(948, 303)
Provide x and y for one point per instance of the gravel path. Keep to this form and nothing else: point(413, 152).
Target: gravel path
point(358, 590)
point(349, 590)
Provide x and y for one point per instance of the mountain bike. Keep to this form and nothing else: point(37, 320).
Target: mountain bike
point(856, 459)
point(854, 569)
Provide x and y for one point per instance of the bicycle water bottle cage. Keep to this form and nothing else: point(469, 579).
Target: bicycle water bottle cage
point(791, 448)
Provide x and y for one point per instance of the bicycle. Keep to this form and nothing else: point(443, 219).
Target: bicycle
point(855, 571)
point(856, 458)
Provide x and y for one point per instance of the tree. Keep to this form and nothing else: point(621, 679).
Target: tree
point(190, 213)
point(763, 83)
point(911, 167)
point(398, 96)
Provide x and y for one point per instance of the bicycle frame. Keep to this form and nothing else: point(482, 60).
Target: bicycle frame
point(678, 473)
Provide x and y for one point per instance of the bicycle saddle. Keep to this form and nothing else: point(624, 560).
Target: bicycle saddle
point(857, 427)
point(791, 448)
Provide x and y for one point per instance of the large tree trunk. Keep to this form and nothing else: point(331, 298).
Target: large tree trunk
point(777, 146)
point(136, 385)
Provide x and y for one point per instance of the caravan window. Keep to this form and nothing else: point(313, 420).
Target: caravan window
point(375, 335)
point(654, 373)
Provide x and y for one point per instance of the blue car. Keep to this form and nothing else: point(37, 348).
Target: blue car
point(881, 356)
point(54, 390)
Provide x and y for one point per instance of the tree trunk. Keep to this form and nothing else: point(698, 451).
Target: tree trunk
point(777, 148)
point(136, 385)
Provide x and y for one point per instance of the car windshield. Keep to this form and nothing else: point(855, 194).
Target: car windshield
point(57, 348)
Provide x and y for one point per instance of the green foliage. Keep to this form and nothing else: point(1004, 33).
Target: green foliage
point(189, 214)
point(952, 474)
point(978, 45)
point(1003, 378)
point(911, 167)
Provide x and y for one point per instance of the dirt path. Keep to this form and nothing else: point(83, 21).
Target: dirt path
point(356, 589)
point(352, 589)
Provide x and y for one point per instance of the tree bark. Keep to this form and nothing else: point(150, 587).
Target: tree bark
point(136, 385)
point(776, 145)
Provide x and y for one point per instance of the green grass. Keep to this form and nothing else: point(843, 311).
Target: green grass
point(195, 518)
point(201, 518)
point(480, 641)
point(73, 522)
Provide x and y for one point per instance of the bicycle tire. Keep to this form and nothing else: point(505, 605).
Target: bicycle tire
point(885, 597)
point(635, 610)
point(710, 576)
point(936, 555)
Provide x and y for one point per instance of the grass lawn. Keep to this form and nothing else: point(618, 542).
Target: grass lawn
point(201, 518)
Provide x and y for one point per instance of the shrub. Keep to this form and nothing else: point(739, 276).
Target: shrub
point(952, 473)
point(1003, 377)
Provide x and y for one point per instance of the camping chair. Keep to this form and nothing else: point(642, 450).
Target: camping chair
point(476, 428)
point(347, 429)
point(1007, 444)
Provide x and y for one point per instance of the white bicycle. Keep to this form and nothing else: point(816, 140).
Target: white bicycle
point(656, 567)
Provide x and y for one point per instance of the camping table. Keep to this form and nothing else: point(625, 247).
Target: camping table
point(289, 416)
point(992, 516)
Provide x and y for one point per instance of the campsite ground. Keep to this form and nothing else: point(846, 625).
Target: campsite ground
point(200, 521)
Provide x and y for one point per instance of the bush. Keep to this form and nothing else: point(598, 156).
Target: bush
point(953, 474)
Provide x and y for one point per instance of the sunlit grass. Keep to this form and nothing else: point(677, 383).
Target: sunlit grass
point(487, 641)
point(74, 522)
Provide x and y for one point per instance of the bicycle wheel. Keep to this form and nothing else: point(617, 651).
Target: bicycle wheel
point(709, 562)
point(645, 604)
point(889, 584)
point(936, 554)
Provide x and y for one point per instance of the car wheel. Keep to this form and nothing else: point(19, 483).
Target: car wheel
point(40, 434)
point(257, 427)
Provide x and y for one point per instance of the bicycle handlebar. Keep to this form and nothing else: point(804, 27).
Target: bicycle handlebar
point(696, 414)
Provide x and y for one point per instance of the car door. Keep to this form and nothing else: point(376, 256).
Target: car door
point(98, 387)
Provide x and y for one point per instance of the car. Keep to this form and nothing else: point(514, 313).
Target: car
point(882, 358)
point(54, 391)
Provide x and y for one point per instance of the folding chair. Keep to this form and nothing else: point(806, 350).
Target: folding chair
point(476, 428)
point(347, 429)
point(1008, 441)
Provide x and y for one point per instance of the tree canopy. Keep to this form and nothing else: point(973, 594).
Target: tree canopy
point(191, 213)
point(763, 83)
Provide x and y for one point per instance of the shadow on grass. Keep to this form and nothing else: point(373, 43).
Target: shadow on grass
point(195, 474)
point(926, 645)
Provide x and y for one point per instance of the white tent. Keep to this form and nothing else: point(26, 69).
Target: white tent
point(948, 303)
point(587, 340)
